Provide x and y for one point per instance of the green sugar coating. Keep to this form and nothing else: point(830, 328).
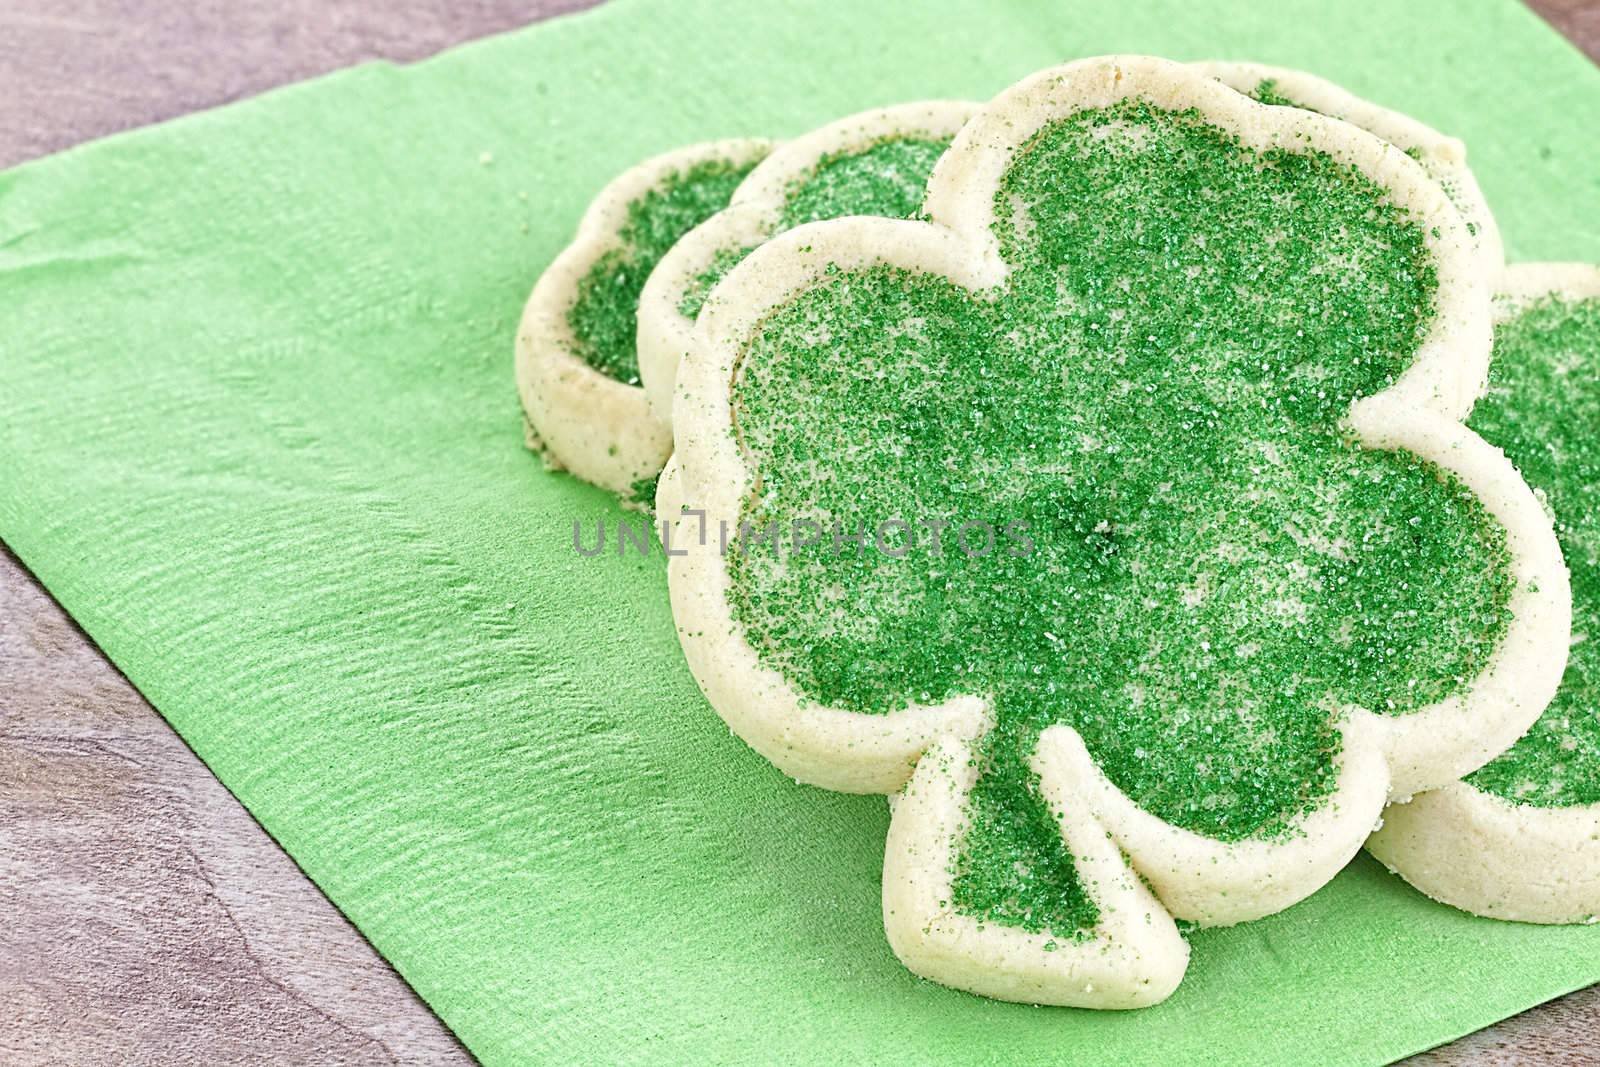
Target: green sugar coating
point(700, 286)
point(1193, 565)
point(642, 492)
point(603, 315)
point(887, 178)
point(1543, 408)
point(1266, 92)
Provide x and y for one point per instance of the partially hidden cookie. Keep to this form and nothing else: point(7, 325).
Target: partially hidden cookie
point(576, 363)
point(1118, 517)
point(1520, 838)
point(873, 163)
point(1444, 158)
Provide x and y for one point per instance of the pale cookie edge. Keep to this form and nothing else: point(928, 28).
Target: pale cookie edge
point(857, 752)
point(584, 421)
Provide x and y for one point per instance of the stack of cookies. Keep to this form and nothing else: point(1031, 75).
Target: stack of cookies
point(1153, 480)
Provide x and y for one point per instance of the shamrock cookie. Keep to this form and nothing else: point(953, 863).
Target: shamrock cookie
point(577, 372)
point(873, 163)
point(1118, 517)
point(1520, 839)
point(1444, 158)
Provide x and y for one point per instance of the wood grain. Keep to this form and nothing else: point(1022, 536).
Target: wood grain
point(1579, 20)
point(73, 70)
point(144, 917)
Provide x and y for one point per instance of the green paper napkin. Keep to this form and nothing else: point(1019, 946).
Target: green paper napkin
point(260, 438)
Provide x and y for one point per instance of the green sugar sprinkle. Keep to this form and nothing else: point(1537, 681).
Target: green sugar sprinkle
point(1543, 408)
point(1266, 92)
point(886, 178)
point(642, 492)
point(1212, 568)
point(603, 316)
point(700, 286)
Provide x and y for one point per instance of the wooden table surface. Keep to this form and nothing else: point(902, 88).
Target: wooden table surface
point(144, 917)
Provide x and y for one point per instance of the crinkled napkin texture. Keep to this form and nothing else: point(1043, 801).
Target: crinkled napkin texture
point(260, 438)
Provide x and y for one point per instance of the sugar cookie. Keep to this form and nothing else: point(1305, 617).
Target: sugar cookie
point(1120, 514)
point(1520, 838)
point(577, 372)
